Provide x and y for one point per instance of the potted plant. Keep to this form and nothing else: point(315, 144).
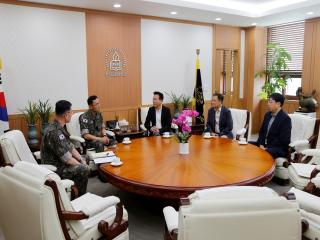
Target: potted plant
point(183, 129)
point(176, 101)
point(185, 101)
point(31, 115)
point(44, 110)
point(276, 79)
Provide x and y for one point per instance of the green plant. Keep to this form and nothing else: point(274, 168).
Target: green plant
point(185, 101)
point(30, 113)
point(276, 78)
point(175, 99)
point(44, 110)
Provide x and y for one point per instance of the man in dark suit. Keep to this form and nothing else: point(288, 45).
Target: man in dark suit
point(219, 122)
point(159, 117)
point(275, 132)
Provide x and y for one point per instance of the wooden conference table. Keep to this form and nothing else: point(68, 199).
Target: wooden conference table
point(152, 166)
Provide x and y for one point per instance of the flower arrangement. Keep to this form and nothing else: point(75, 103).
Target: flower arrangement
point(181, 125)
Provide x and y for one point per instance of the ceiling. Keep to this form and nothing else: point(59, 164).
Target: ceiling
point(231, 12)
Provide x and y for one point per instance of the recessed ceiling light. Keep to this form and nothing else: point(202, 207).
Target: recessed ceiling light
point(218, 19)
point(254, 24)
point(174, 13)
point(310, 13)
point(117, 5)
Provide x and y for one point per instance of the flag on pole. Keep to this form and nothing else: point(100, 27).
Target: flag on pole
point(4, 120)
point(198, 100)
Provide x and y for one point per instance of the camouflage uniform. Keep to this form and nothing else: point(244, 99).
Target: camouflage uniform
point(56, 149)
point(93, 124)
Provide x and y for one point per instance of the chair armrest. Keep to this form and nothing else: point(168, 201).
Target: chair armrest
point(241, 131)
point(299, 143)
point(171, 217)
point(143, 128)
point(311, 152)
point(306, 200)
point(49, 167)
point(91, 204)
point(316, 181)
point(67, 183)
point(110, 133)
point(281, 162)
point(37, 155)
point(117, 227)
point(77, 138)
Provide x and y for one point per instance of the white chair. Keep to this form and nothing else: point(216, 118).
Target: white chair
point(304, 135)
point(36, 207)
point(241, 123)
point(142, 115)
point(73, 128)
point(228, 213)
point(306, 176)
point(15, 149)
point(310, 212)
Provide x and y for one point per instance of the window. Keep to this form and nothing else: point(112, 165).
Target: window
point(291, 38)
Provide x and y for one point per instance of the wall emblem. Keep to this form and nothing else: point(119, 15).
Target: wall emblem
point(116, 63)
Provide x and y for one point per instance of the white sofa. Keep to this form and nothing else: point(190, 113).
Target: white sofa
point(34, 205)
point(228, 213)
point(304, 135)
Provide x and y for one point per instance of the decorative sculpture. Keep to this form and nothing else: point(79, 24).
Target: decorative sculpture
point(307, 102)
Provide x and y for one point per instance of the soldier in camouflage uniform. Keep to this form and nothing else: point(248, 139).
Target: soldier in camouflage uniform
point(57, 149)
point(93, 128)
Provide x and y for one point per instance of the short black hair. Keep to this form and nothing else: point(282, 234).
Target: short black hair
point(277, 97)
point(62, 106)
point(91, 99)
point(160, 94)
point(219, 96)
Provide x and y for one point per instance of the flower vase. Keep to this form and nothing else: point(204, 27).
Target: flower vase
point(184, 148)
point(32, 135)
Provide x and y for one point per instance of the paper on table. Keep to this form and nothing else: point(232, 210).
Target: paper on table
point(104, 160)
point(93, 155)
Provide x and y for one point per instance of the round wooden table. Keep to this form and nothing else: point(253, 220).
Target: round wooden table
point(152, 166)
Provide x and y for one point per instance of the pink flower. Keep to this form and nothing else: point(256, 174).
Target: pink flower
point(186, 128)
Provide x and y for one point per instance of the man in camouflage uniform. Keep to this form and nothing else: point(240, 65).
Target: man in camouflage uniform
point(57, 149)
point(93, 128)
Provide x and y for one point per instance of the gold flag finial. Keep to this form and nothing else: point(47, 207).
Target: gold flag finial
point(1, 65)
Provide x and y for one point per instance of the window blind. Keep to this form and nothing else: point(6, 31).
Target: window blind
point(291, 38)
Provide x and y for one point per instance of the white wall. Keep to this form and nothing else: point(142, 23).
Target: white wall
point(168, 57)
point(44, 56)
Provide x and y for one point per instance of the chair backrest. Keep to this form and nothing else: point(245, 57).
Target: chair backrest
point(15, 148)
point(27, 209)
point(73, 126)
point(75, 228)
point(241, 119)
point(142, 115)
point(303, 127)
point(239, 217)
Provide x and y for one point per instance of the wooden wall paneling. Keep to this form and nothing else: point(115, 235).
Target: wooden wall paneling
point(311, 58)
point(316, 50)
point(255, 50)
point(104, 32)
point(308, 58)
point(227, 37)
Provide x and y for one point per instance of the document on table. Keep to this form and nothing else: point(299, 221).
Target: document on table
point(107, 158)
